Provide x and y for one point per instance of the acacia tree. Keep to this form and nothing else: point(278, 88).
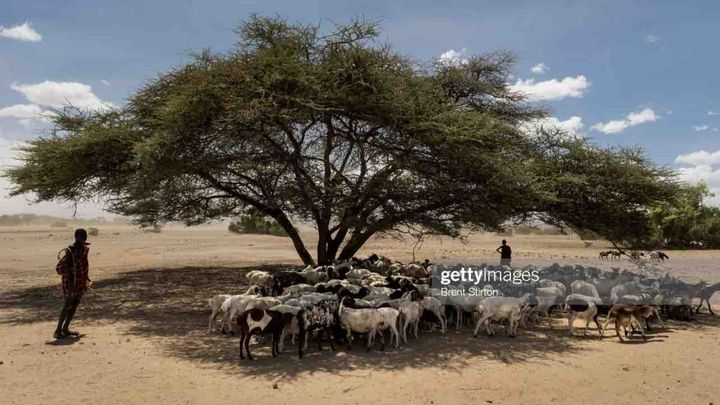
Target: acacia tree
point(342, 132)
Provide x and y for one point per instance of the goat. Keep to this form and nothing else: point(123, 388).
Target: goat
point(390, 321)
point(548, 297)
point(258, 277)
point(625, 314)
point(216, 303)
point(582, 306)
point(293, 328)
point(319, 317)
point(285, 279)
point(435, 307)
point(368, 321)
point(258, 321)
point(410, 315)
point(705, 294)
point(584, 288)
point(499, 309)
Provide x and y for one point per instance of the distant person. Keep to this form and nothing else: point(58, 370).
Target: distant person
point(505, 253)
point(73, 267)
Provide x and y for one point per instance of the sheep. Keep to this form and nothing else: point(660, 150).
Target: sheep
point(341, 292)
point(263, 303)
point(499, 309)
point(258, 277)
point(316, 275)
point(320, 317)
point(285, 279)
point(358, 274)
point(461, 304)
point(217, 301)
point(543, 283)
point(415, 270)
point(215, 306)
point(361, 321)
point(232, 307)
point(378, 293)
point(299, 289)
point(293, 329)
point(548, 297)
point(437, 309)
point(583, 307)
point(390, 318)
point(410, 315)
point(258, 321)
point(584, 288)
point(623, 289)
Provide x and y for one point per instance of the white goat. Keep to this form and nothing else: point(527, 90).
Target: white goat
point(258, 277)
point(366, 320)
point(390, 321)
point(217, 301)
point(583, 307)
point(499, 309)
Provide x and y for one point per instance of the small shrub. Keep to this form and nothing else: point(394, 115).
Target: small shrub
point(254, 223)
point(93, 231)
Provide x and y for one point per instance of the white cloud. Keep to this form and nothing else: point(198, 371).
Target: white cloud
point(701, 166)
point(611, 127)
point(651, 39)
point(699, 158)
point(58, 94)
point(632, 119)
point(552, 89)
point(453, 57)
point(571, 125)
point(24, 33)
point(700, 127)
point(641, 117)
point(105, 82)
point(24, 111)
point(540, 68)
point(713, 113)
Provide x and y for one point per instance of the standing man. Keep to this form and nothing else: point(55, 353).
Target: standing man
point(73, 267)
point(505, 253)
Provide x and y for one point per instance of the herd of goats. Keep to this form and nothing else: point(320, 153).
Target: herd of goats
point(376, 296)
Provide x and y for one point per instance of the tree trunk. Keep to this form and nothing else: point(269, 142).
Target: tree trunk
point(292, 232)
point(356, 241)
point(323, 236)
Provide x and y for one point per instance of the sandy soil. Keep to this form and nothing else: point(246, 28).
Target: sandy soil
point(145, 341)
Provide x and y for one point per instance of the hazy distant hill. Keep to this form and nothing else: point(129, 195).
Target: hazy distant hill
point(33, 219)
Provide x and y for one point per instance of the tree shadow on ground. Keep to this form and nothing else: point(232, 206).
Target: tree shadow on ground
point(170, 307)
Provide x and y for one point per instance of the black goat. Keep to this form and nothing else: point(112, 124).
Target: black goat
point(285, 279)
point(258, 321)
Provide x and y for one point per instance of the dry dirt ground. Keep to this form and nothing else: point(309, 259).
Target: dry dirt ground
point(145, 339)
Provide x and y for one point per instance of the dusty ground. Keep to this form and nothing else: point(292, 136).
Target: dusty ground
point(145, 341)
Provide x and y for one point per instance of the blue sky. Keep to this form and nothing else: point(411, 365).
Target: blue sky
point(619, 72)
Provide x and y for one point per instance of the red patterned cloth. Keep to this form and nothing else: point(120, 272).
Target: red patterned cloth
point(74, 269)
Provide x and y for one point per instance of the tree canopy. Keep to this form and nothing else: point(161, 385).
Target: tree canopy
point(680, 222)
point(340, 131)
